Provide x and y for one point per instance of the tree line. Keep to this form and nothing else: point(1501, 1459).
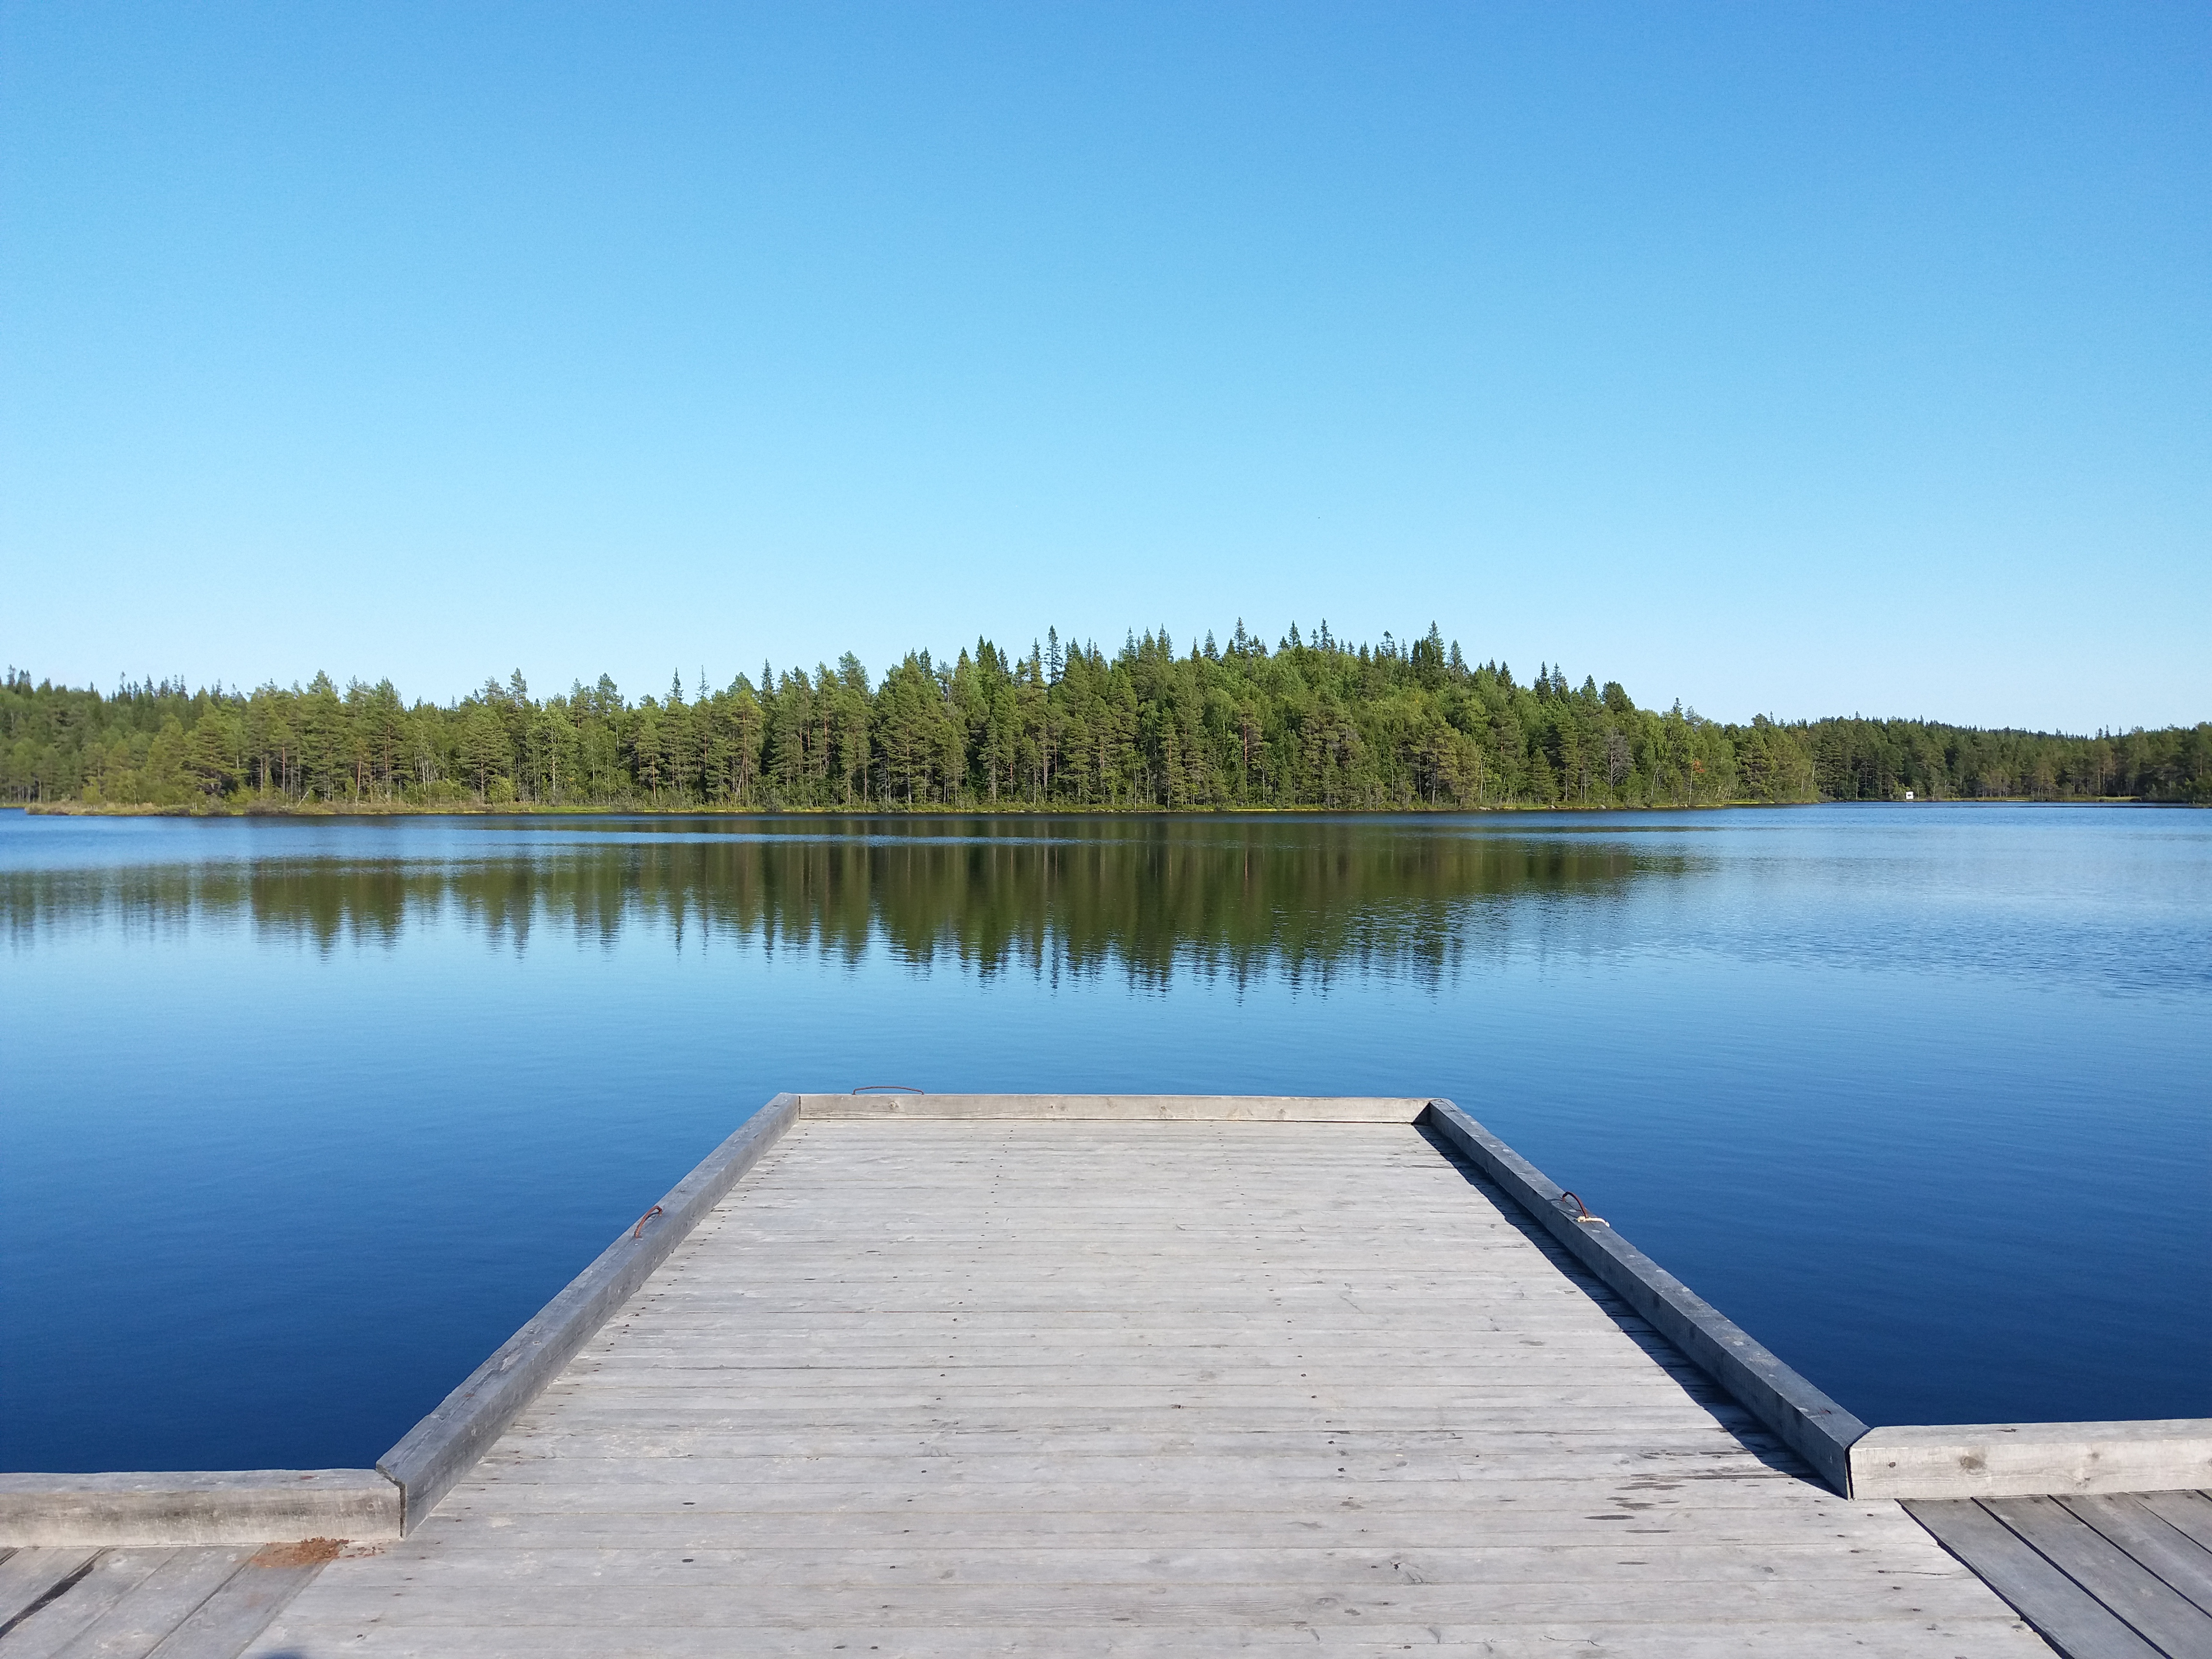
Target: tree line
point(1312, 722)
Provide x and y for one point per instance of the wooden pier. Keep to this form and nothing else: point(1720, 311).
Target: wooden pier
point(1053, 1375)
point(954, 1385)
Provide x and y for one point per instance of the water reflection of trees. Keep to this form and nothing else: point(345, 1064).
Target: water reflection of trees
point(1302, 900)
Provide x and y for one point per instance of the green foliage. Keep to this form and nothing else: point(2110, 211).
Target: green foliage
point(1313, 723)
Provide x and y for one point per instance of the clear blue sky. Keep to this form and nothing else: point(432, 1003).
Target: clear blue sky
point(1783, 358)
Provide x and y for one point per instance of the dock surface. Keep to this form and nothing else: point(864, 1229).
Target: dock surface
point(942, 1387)
point(60, 1602)
point(2124, 1576)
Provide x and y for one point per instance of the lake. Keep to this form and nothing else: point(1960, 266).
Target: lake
point(302, 1118)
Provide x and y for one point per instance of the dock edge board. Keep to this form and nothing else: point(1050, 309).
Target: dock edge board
point(1123, 1108)
point(1807, 1420)
point(168, 1508)
point(445, 1445)
point(2033, 1460)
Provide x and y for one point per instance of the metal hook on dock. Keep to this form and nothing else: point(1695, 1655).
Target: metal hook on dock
point(638, 1232)
point(901, 1088)
point(1585, 1217)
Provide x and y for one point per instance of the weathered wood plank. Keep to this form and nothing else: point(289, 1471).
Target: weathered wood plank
point(1250, 1473)
point(2075, 1621)
point(1066, 1639)
point(1292, 1404)
point(243, 1606)
point(136, 1621)
point(893, 1344)
point(887, 1365)
point(2023, 1460)
point(2153, 1608)
point(861, 1525)
point(31, 1578)
point(2188, 1513)
point(1458, 1489)
point(1892, 1614)
point(1249, 1108)
point(2178, 1560)
point(168, 1508)
point(115, 1573)
point(896, 1564)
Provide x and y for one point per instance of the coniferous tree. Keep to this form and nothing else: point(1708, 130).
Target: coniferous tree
point(1390, 725)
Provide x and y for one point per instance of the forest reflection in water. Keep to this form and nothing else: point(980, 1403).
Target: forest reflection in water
point(1302, 900)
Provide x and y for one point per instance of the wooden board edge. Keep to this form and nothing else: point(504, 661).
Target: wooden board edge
point(430, 1457)
point(1117, 1109)
point(170, 1509)
point(2033, 1460)
point(1807, 1420)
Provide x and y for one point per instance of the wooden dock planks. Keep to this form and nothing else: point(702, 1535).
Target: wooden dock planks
point(937, 1387)
point(203, 1601)
point(2102, 1577)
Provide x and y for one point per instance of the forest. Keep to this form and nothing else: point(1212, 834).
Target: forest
point(1309, 723)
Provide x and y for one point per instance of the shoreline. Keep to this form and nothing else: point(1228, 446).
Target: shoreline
point(397, 809)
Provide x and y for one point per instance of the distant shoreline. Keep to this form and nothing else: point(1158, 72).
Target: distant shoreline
point(1307, 727)
point(519, 810)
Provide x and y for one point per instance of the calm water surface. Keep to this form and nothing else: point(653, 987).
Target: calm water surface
point(299, 1120)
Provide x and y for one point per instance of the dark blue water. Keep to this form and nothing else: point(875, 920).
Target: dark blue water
point(301, 1119)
